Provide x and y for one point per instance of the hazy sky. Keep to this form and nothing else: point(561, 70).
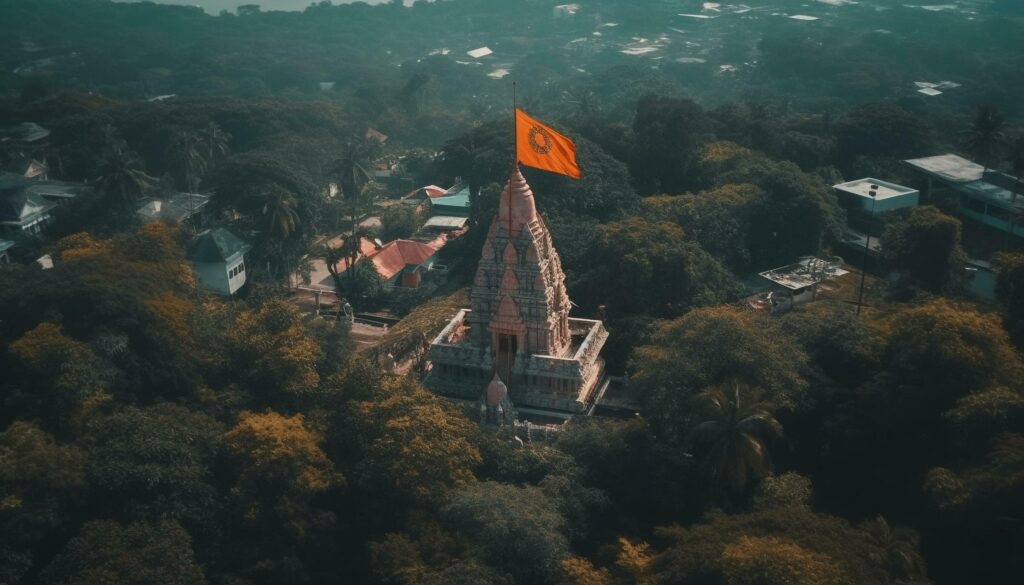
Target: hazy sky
point(215, 6)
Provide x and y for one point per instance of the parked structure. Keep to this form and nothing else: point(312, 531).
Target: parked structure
point(218, 261)
point(518, 327)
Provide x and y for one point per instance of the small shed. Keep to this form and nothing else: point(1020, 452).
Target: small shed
point(218, 261)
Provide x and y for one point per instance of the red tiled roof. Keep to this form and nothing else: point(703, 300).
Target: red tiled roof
point(397, 254)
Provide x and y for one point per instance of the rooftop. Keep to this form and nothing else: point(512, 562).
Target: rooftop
point(215, 246)
point(24, 132)
point(175, 208)
point(807, 272)
point(883, 189)
point(971, 179)
point(446, 222)
point(949, 167)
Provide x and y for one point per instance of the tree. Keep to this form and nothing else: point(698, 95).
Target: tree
point(880, 130)
point(900, 553)
point(121, 176)
point(773, 561)
point(732, 444)
point(708, 347)
point(280, 215)
point(985, 135)
point(641, 265)
point(517, 529)
point(415, 445)
point(108, 552)
point(351, 169)
point(280, 456)
point(669, 135)
point(397, 222)
point(926, 246)
point(275, 352)
point(1010, 292)
point(156, 462)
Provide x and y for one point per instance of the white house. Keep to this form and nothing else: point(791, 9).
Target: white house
point(218, 261)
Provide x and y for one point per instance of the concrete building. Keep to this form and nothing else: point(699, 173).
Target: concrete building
point(857, 196)
point(218, 261)
point(21, 210)
point(985, 196)
point(518, 327)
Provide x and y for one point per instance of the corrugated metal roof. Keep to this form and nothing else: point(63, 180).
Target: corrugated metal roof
point(216, 245)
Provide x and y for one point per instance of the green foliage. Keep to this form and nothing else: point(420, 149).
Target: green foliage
point(107, 552)
point(517, 529)
point(641, 263)
point(1010, 292)
point(153, 463)
point(414, 444)
point(926, 246)
point(707, 347)
point(398, 222)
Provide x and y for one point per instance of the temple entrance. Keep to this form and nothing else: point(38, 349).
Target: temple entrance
point(506, 357)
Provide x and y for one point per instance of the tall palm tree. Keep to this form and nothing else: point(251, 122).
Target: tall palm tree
point(732, 443)
point(121, 175)
point(985, 135)
point(351, 169)
point(280, 214)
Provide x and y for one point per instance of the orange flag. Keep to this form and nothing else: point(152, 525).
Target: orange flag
point(542, 148)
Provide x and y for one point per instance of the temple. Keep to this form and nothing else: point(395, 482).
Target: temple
point(517, 329)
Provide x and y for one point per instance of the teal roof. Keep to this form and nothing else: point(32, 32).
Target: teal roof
point(5, 244)
point(459, 199)
point(216, 245)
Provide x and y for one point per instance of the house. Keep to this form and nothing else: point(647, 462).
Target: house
point(176, 209)
point(985, 196)
point(795, 284)
point(218, 261)
point(22, 211)
point(400, 263)
point(4, 246)
point(454, 202)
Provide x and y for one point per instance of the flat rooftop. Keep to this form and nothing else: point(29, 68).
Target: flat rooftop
point(807, 272)
point(883, 189)
point(949, 167)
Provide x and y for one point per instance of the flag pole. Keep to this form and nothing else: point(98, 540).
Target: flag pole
point(515, 158)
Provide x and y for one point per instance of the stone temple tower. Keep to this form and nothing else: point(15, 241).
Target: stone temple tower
point(518, 326)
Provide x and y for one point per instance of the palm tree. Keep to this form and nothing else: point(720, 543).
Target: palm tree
point(900, 555)
point(351, 248)
point(732, 442)
point(985, 135)
point(279, 212)
point(215, 142)
point(121, 174)
point(351, 169)
point(188, 152)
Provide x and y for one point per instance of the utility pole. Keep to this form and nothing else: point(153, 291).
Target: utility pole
point(867, 248)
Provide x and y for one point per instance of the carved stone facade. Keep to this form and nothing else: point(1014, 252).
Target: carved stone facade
point(519, 327)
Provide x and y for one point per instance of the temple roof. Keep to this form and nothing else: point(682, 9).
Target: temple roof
point(517, 200)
